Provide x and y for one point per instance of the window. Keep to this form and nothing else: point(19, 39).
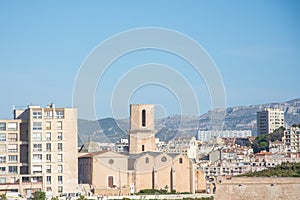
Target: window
point(2, 147)
point(12, 158)
point(48, 179)
point(37, 136)
point(48, 136)
point(49, 189)
point(13, 169)
point(2, 170)
point(37, 114)
point(48, 125)
point(59, 157)
point(59, 135)
point(59, 125)
point(48, 114)
point(60, 179)
point(59, 147)
point(180, 160)
point(2, 180)
point(37, 158)
point(147, 160)
point(12, 148)
point(60, 189)
point(2, 137)
point(37, 126)
point(60, 114)
point(143, 147)
point(60, 169)
point(143, 117)
point(2, 159)
point(37, 169)
point(48, 147)
point(37, 179)
point(48, 168)
point(48, 157)
point(12, 137)
point(110, 181)
point(37, 147)
point(2, 126)
point(12, 126)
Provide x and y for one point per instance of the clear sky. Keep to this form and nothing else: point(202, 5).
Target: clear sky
point(254, 44)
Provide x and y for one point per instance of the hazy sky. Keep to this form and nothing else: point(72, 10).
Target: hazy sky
point(254, 44)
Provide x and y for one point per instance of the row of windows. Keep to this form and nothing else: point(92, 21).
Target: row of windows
point(38, 136)
point(10, 126)
point(39, 147)
point(11, 159)
point(59, 180)
point(48, 114)
point(39, 158)
point(38, 169)
point(10, 148)
point(38, 125)
point(11, 170)
point(12, 137)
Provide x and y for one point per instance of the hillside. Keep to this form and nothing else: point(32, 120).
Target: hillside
point(240, 117)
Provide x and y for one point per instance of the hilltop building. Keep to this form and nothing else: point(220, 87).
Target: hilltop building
point(269, 120)
point(38, 151)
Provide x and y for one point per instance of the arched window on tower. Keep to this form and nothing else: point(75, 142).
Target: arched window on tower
point(180, 160)
point(143, 117)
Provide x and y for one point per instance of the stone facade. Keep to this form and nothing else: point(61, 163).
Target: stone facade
point(141, 133)
point(112, 173)
point(244, 188)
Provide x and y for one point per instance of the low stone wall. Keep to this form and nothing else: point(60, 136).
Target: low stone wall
point(255, 188)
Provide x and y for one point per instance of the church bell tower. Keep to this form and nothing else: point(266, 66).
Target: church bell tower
point(142, 132)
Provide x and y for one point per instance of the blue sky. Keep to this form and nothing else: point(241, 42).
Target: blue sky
point(254, 44)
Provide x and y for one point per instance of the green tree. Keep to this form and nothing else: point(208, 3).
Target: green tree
point(39, 195)
point(82, 198)
point(3, 197)
point(54, 198)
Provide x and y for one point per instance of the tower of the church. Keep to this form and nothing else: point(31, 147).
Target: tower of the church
point(141, 133)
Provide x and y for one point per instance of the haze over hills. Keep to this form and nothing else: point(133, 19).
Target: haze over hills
point(236, 118)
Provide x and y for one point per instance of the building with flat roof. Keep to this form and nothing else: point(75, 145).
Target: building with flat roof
point(269, 120)
point(291, 139)
point(38, 151)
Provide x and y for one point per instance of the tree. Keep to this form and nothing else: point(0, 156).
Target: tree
point(3, 197)
point(39, 195)
point(82, 198)
point(261, 142)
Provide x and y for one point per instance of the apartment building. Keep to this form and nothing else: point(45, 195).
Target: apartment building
point(10, 160)
point(269, 120)
point(206, 136)
point(39, 151)
point(291, 139)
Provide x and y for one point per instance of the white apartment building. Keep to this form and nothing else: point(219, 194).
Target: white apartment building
point(206, 136)
point(183, 145)
point(269, 120)
point(38, 151)
point(291, 139)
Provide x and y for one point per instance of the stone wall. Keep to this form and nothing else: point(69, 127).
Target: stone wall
point(254, 188)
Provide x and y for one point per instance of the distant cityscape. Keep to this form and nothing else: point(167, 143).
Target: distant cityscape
point(39, 152)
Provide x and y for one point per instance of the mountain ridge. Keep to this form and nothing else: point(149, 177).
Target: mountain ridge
point(236, 118)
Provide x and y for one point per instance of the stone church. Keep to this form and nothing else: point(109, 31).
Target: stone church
point(111, 173)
